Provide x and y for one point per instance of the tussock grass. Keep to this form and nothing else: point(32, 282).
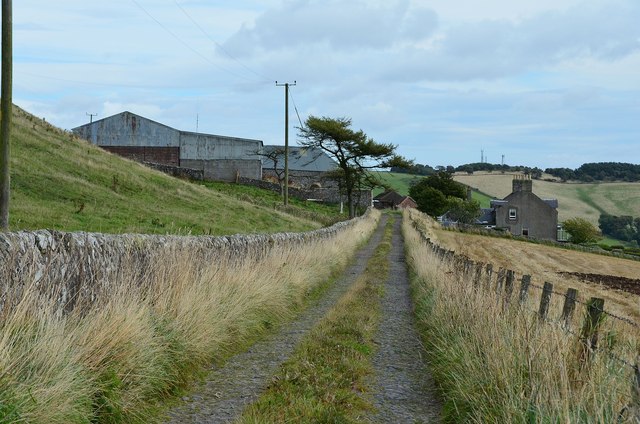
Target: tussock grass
point(496, 365)
point(324, 380)
point(121, 360)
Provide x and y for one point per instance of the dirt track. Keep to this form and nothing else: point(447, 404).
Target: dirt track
point(401, 389)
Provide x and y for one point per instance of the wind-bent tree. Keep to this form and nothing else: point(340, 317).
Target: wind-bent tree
point(354, 152)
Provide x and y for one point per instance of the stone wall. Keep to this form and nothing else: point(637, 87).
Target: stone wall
point(177, 171)
point(328, 195)
point(81, 269)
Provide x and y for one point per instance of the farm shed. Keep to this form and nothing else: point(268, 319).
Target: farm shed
point(144, 140)
point(393, 200)
point(307, 166)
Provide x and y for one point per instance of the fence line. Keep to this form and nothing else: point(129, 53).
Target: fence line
point(503, 284)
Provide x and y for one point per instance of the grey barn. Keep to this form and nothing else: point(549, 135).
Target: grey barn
point(307, 166)
point(138, 138)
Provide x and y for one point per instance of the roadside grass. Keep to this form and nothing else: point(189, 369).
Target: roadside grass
point(123, 359)
point(61, 182)
point(500, 364)
point(325, 379)
point(326, 214)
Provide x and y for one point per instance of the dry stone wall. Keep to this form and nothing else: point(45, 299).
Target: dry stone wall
point(79, 269)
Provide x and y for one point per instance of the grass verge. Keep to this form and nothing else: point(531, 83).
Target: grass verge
point(495, 364)
point(324, 380)
point(121, 360)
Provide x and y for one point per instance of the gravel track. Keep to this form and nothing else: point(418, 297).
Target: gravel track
point(403, 389)
point(227, 390)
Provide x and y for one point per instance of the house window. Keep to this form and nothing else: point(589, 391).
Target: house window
point(525, 232)
point(512, 213)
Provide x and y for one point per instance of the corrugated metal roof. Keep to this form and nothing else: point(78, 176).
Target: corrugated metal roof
point(300, 159)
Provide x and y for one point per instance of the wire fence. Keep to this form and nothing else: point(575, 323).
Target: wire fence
point(502, 283)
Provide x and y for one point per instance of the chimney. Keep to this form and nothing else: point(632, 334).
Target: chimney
point(522, 183)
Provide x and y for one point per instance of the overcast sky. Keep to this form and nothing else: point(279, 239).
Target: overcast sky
point(547, 83)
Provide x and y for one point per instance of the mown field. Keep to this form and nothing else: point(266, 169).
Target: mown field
point(583, 200)
point(62, 182)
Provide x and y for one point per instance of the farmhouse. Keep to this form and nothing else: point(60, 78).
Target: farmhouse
point(522, 213)
point(138, 138)
point(308, 167)
point(393, 200)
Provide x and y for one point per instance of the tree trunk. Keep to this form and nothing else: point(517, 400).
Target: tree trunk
point(352, 209)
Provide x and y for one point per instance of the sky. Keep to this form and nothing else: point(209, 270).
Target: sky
point(546, 83)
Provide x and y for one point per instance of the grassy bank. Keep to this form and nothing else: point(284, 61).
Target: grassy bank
point(500, 364)
point(119, 361)
point(61, 182)
point(324, 380)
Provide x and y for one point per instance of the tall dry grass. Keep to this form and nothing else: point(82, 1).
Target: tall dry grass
point(121, 360)
point(497, 364)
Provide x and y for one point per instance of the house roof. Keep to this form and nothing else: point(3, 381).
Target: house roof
point(300, 159)
point(390, 196)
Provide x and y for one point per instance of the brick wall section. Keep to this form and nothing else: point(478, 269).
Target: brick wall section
point(79, 269)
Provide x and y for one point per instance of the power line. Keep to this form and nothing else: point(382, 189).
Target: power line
point(184, 43)
point(296, 109)
point(225, 51)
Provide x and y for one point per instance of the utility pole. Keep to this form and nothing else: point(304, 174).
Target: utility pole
point(286, 86)
point(91, 115)
point(5, 112)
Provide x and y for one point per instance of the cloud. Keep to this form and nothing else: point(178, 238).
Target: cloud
point(491, 49)
point(342, 26)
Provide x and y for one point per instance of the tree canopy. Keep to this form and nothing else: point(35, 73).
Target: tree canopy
point(581, 231)
point(432, 193)
point(354, 152)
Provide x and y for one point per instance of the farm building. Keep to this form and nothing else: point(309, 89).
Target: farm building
point(392, 200)
point(307, 166)
point(522, 213)
point(138, 138)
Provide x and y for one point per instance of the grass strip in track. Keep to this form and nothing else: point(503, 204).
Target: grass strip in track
point(324, 380)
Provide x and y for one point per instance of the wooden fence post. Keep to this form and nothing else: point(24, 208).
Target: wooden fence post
point(635, 393)
point(477, 275)
point(524, 289)
point(489, 272)
point(508, 287)
point(545, 299)
point(568, 308)
point(635, 400)
point(589, 334)
point(500, 280)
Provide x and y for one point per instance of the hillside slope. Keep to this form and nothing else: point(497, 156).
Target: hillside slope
point(59, 181)
point(575, 200)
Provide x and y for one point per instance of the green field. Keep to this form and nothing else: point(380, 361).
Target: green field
point(61, 182)
point(396, 181)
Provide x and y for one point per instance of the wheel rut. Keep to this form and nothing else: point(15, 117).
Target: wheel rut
point(403, 390)
point(228, 389)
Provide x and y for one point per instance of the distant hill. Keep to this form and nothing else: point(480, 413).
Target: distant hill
point(62, 182)
point(399, 182)
point(575, 199)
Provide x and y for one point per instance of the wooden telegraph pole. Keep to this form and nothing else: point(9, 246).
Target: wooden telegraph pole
point(5, 113)
point(286, 139)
